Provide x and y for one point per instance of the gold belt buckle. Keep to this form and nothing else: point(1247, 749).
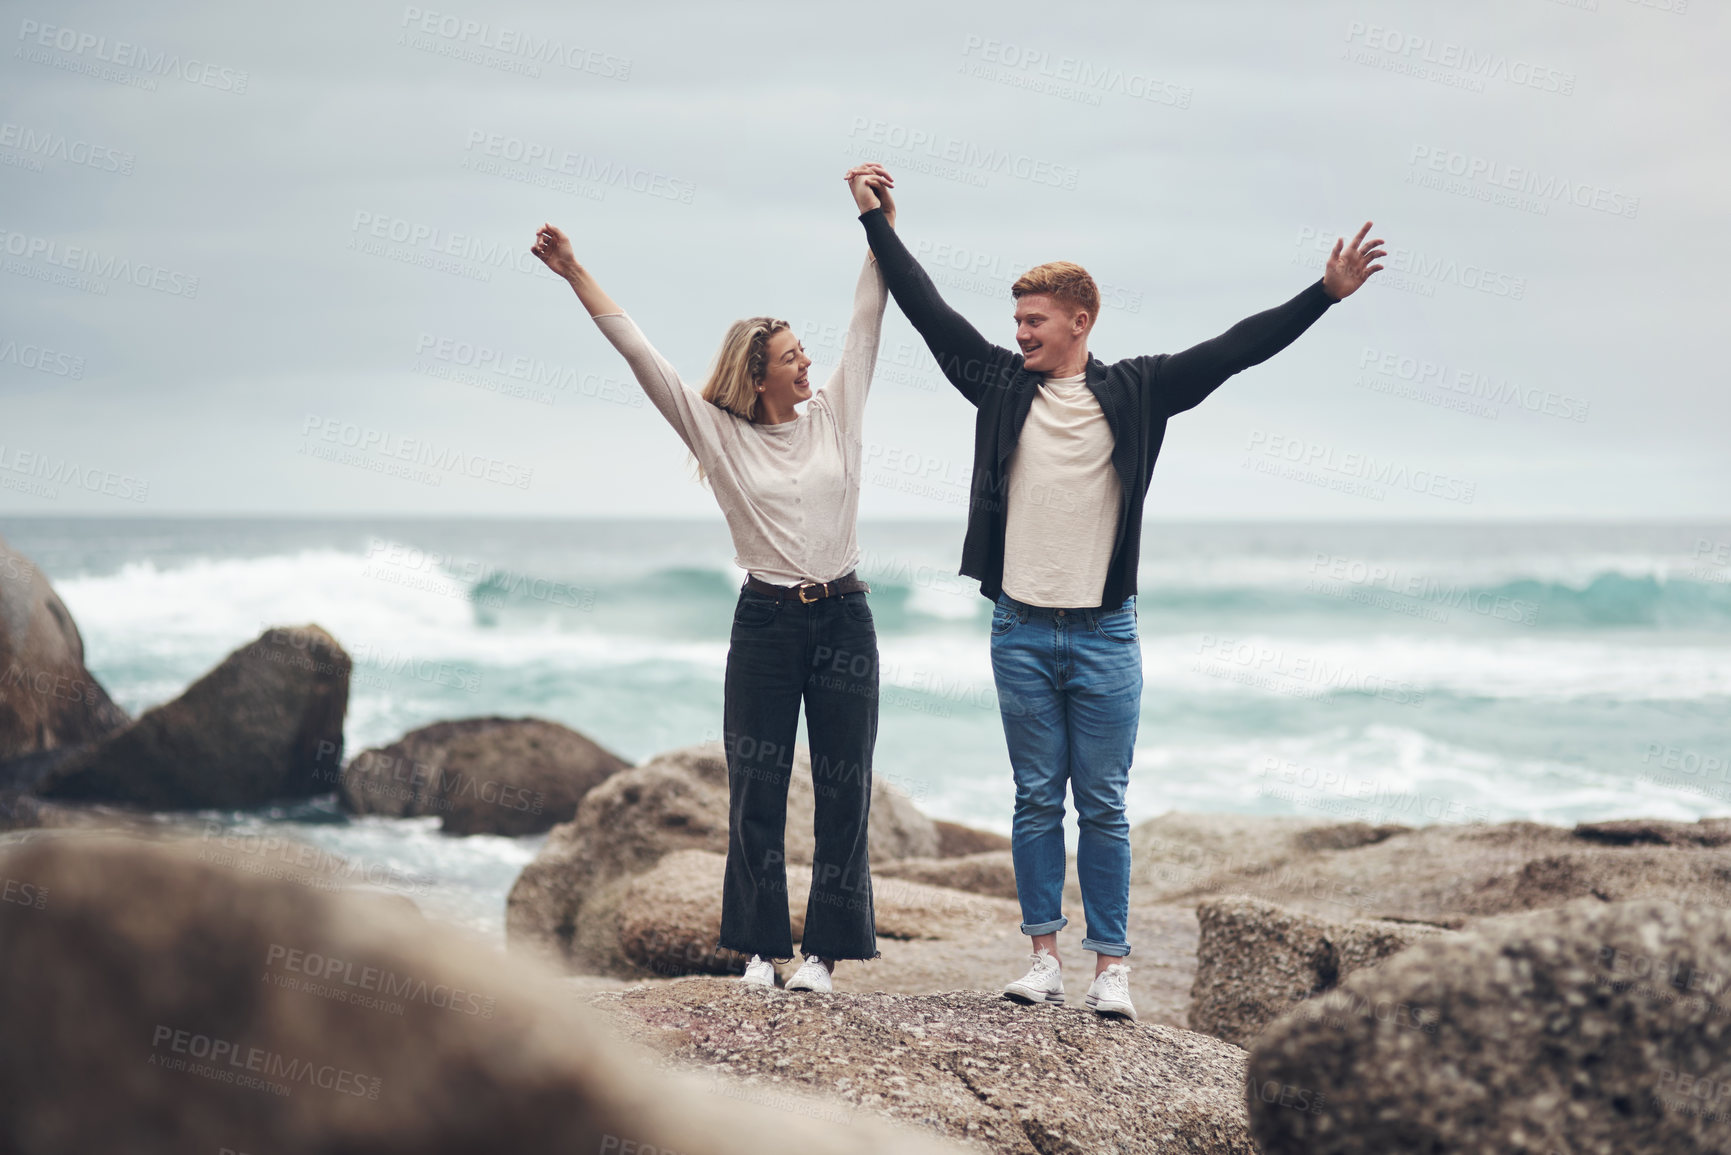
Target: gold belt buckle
point(803, 586)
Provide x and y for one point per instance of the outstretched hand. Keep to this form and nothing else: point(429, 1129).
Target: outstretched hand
point(1347, 271)
point(870, 184)
point(554, 249)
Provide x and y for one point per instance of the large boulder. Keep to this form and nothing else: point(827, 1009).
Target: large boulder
point(48, 700)
point(665, 921)
point(969, 1065)
point(1592, 1028)
point(1256, 960)
point(480, 775)
point(154, 1003)
point(675, 801)
point(265, 724)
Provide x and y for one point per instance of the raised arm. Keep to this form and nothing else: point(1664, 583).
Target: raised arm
point(966, 357)
point(1186, 378)
point(699, 424)
point(850, 380)
point(553, 247)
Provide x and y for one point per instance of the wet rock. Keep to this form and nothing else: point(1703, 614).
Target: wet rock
point(48, 701)
point(265, 725)
point(480, 775)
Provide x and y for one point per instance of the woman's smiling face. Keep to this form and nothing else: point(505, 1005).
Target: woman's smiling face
point(785, 379)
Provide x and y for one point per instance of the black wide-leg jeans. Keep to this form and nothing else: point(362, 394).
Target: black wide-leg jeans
point(825, 654)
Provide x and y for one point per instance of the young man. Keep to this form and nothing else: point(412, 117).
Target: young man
point(1064, 450)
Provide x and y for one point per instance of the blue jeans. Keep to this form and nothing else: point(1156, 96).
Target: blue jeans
point(1070, 692)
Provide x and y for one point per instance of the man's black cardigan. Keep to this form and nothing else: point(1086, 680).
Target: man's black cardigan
point(1136, 396)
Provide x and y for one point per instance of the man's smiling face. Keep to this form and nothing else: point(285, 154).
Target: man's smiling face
point(1049, 333)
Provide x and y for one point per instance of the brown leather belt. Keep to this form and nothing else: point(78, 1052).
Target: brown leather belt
point(808, 592)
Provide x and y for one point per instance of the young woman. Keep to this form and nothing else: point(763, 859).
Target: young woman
point(788, 484)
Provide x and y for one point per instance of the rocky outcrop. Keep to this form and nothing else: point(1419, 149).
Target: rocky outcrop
point(1255, 961)
point(480, 775)
point(266, 724)
point(665, 921)
point(1596, 1028)
point(1337, 873)
point(1446, 874)
point(971, 1066)
point(956, 840)
point(48, 700)
point(161, 1004)
point(990, 872)
point(675, 801)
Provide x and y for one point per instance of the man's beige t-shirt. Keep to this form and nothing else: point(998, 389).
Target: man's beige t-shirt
point(1062, 519)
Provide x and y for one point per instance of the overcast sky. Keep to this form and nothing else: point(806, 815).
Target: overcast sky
point(253, 253)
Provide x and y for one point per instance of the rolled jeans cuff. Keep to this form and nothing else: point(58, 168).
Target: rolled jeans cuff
point(1033, 928)
point(1113, 949)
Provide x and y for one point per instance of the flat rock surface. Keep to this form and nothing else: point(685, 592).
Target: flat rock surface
point(1447, 874)
point(1162, 963)
point(968, 1065)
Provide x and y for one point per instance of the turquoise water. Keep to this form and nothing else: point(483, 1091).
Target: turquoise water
point(1392, 673)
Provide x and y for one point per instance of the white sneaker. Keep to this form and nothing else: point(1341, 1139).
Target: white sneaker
point(812, 975)
point(759, 972)
point(1110, 992)
point(1044, 983)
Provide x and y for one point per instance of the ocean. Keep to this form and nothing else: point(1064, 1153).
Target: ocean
point(1409, 673)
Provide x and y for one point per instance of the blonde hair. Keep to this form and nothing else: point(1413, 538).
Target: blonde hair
point(1065, 282)
point(740, 366)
